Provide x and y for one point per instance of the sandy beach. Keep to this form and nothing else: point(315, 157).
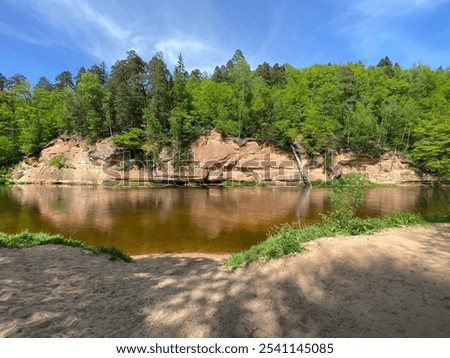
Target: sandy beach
point(392, 284)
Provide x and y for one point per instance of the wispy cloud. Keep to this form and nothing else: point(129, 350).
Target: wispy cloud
point(106, 35)
point(78, 24)
point(207, 32)
point(18, 34)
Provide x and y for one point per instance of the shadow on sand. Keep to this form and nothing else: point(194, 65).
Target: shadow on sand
point(64, 292)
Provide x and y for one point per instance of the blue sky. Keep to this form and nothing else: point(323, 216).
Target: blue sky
point(45, 37)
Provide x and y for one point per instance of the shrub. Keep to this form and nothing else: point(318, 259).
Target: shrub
point(59, 161)
point(346, 197)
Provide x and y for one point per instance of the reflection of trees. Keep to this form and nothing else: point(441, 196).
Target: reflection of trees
point(381, 201)
point(142, 220)
point(66, 205)
point(435, 200)
point(160, 219)
point(250, 208)
point(98, 206)
point(256, 208)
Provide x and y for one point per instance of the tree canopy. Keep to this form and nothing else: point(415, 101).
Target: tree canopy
point(369, 109)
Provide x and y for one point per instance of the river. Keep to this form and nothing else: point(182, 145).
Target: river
point(174, 220)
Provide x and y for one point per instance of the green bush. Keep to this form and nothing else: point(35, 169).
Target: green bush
point(346, 197)
point(59, 161)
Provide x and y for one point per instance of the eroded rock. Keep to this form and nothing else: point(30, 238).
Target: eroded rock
point(213, 158)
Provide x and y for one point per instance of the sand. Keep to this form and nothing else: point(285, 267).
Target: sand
point(392, 284)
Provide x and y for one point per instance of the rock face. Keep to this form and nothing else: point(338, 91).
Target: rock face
point(216, 159)
point(212, 159)
point(80, 163)
point(389, 168)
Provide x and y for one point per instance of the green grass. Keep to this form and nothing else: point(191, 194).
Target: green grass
point(29, 239)
point(59, 161)
point(288, 239)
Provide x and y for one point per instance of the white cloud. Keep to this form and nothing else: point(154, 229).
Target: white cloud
point(78, 24)
point(102, 22)
point(196, 53)
point(172, 47)
point(106, 31)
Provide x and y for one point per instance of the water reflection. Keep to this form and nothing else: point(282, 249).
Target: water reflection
point(142, 220)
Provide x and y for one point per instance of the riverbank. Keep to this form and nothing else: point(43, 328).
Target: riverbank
point(391, 284)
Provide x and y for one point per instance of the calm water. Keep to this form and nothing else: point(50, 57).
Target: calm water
point(159, 220)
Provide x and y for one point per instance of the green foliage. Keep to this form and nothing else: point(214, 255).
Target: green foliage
point(41, 120)
point(432, 149)
point(64, 80)
point(159, 99)
point(183, 133)
point(127, 97)
point(133, 139)
point(29, 239)
point(368, 109)
point(8, 151)
point(363, 131)
point(114, 253)
point(212, 105)
point(87, 114)
point(346, 197)
point(5, 175)
point(184, 126)
point(59, 161)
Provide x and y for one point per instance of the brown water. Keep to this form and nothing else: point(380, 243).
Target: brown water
point(160, 220)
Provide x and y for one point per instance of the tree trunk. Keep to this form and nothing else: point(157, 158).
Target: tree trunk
point(301, 167)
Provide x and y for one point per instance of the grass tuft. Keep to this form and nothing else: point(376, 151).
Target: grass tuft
point(114, 253)
point(30, 239)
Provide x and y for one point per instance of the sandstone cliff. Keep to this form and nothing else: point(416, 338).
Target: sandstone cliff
point(213, 159)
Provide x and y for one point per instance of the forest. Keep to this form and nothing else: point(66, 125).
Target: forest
point(145, 106)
